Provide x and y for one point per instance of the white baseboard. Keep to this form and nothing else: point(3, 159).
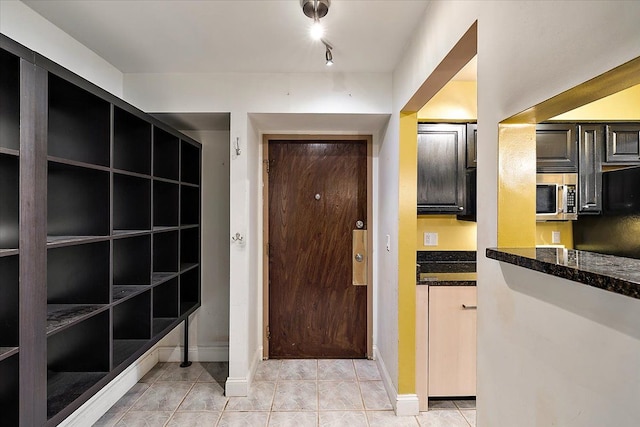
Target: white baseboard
point(403, 404)
point(236, 387)
point(217, 353)
point(257, 358)
point(407, 404)
point(239, 386)
point(99, 403)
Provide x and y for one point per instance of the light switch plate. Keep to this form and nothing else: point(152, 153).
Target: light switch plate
point(431, 239)
point(555, 237)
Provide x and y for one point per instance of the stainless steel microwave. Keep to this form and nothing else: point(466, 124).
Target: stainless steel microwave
point(556, 196)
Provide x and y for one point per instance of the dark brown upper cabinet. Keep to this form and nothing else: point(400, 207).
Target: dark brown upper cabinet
point(441, 168)
point(590, 154)
point(556, 147)
point(472, 145)
point(623, 143)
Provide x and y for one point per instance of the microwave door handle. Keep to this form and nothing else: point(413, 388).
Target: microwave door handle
point(562, 199)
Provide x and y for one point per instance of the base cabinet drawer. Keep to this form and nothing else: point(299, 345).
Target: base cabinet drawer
point(452, 341)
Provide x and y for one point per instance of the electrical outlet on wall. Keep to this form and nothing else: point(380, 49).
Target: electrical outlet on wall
point(555, 237)
point(431, 239)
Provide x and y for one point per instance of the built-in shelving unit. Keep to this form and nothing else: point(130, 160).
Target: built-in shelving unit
point(110, 226)
point(9, 236)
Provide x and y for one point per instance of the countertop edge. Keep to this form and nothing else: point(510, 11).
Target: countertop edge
point(587, 274)
point(447, 283)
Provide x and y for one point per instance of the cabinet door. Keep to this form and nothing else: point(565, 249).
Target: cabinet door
point(452, 341)
point(472, 145)
point(623, 143)
point(441, 166)
point(590, 153)
point(556, 148)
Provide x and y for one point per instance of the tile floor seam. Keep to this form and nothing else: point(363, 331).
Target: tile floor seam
point(180, 403)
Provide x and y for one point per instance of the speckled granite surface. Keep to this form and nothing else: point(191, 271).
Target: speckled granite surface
point(611, 273)
point(446, 268)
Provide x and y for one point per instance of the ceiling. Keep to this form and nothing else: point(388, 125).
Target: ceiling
point(215, 36)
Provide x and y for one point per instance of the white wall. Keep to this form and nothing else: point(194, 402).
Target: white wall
point(19, 22)
point(550, 352)
point(386, 312)
point(286, 96)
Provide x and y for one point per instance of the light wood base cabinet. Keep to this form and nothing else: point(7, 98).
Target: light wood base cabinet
point(452, 341)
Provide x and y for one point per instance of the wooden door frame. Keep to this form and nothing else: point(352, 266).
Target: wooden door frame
point(309, 138)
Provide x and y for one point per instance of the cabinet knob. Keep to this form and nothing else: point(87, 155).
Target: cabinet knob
point(460, 208)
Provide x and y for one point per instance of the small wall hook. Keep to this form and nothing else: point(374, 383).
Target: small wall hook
point(237, 238)
point(237, 146)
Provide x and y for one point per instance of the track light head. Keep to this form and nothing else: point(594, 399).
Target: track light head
point(315, 9)
point(328, 56)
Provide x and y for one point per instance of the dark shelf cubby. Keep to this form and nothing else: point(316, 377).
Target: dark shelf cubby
point(190, 163)
point(10, 101)
point(78, 274)
point(189, 290)
point(9, 369)
point(131, 326)
point(121, 292)
point(189, 205)
point(9, 302)
point(61, 316)
point(131, 142)
point(166, 152)
point(132, 261)
point(79, 124)
point(166, 203)
point(131, 203)
point(77, 201)
point(189, 248)
point(9, 201)
point(77, 358)
point(165, 252)
point(165, 305)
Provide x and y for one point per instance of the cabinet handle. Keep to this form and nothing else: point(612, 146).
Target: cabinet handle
point(469, 307)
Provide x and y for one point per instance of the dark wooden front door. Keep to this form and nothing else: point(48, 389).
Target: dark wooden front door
point(317, 193)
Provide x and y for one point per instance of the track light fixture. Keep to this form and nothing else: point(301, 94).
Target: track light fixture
point(328, 56)
point(315, 9)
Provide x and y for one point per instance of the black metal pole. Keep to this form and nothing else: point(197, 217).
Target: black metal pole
point(185, 360)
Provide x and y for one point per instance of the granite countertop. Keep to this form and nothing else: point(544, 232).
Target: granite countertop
point(611, 273)
point(446, 268)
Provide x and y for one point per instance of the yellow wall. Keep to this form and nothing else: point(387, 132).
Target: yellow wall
point(544, 230)
point(456, 101)
point(408, 188)
point(624, 105)
point(453, 235)
point(516, 185)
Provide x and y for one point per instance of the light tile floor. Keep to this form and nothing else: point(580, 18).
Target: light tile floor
point(296, 393)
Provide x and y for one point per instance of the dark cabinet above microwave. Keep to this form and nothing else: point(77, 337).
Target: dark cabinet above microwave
point(442, 159)
point(623, 143)
point(556, 148)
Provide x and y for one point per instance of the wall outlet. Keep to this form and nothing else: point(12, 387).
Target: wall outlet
point(555, 237)
point(431, 239)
